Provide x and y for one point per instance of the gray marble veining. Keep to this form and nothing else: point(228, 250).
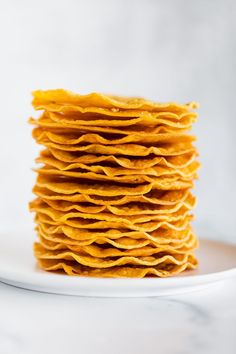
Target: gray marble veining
point(198, 322)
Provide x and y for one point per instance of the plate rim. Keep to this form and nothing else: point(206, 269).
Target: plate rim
point(43, 279)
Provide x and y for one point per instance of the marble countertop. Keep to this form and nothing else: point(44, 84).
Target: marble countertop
point(198, 322)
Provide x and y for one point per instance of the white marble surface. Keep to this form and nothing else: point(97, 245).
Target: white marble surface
point(200, 322)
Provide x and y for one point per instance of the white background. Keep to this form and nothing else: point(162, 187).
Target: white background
point(164, 50)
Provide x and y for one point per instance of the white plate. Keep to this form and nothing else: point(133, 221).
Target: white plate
point(18, 268)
